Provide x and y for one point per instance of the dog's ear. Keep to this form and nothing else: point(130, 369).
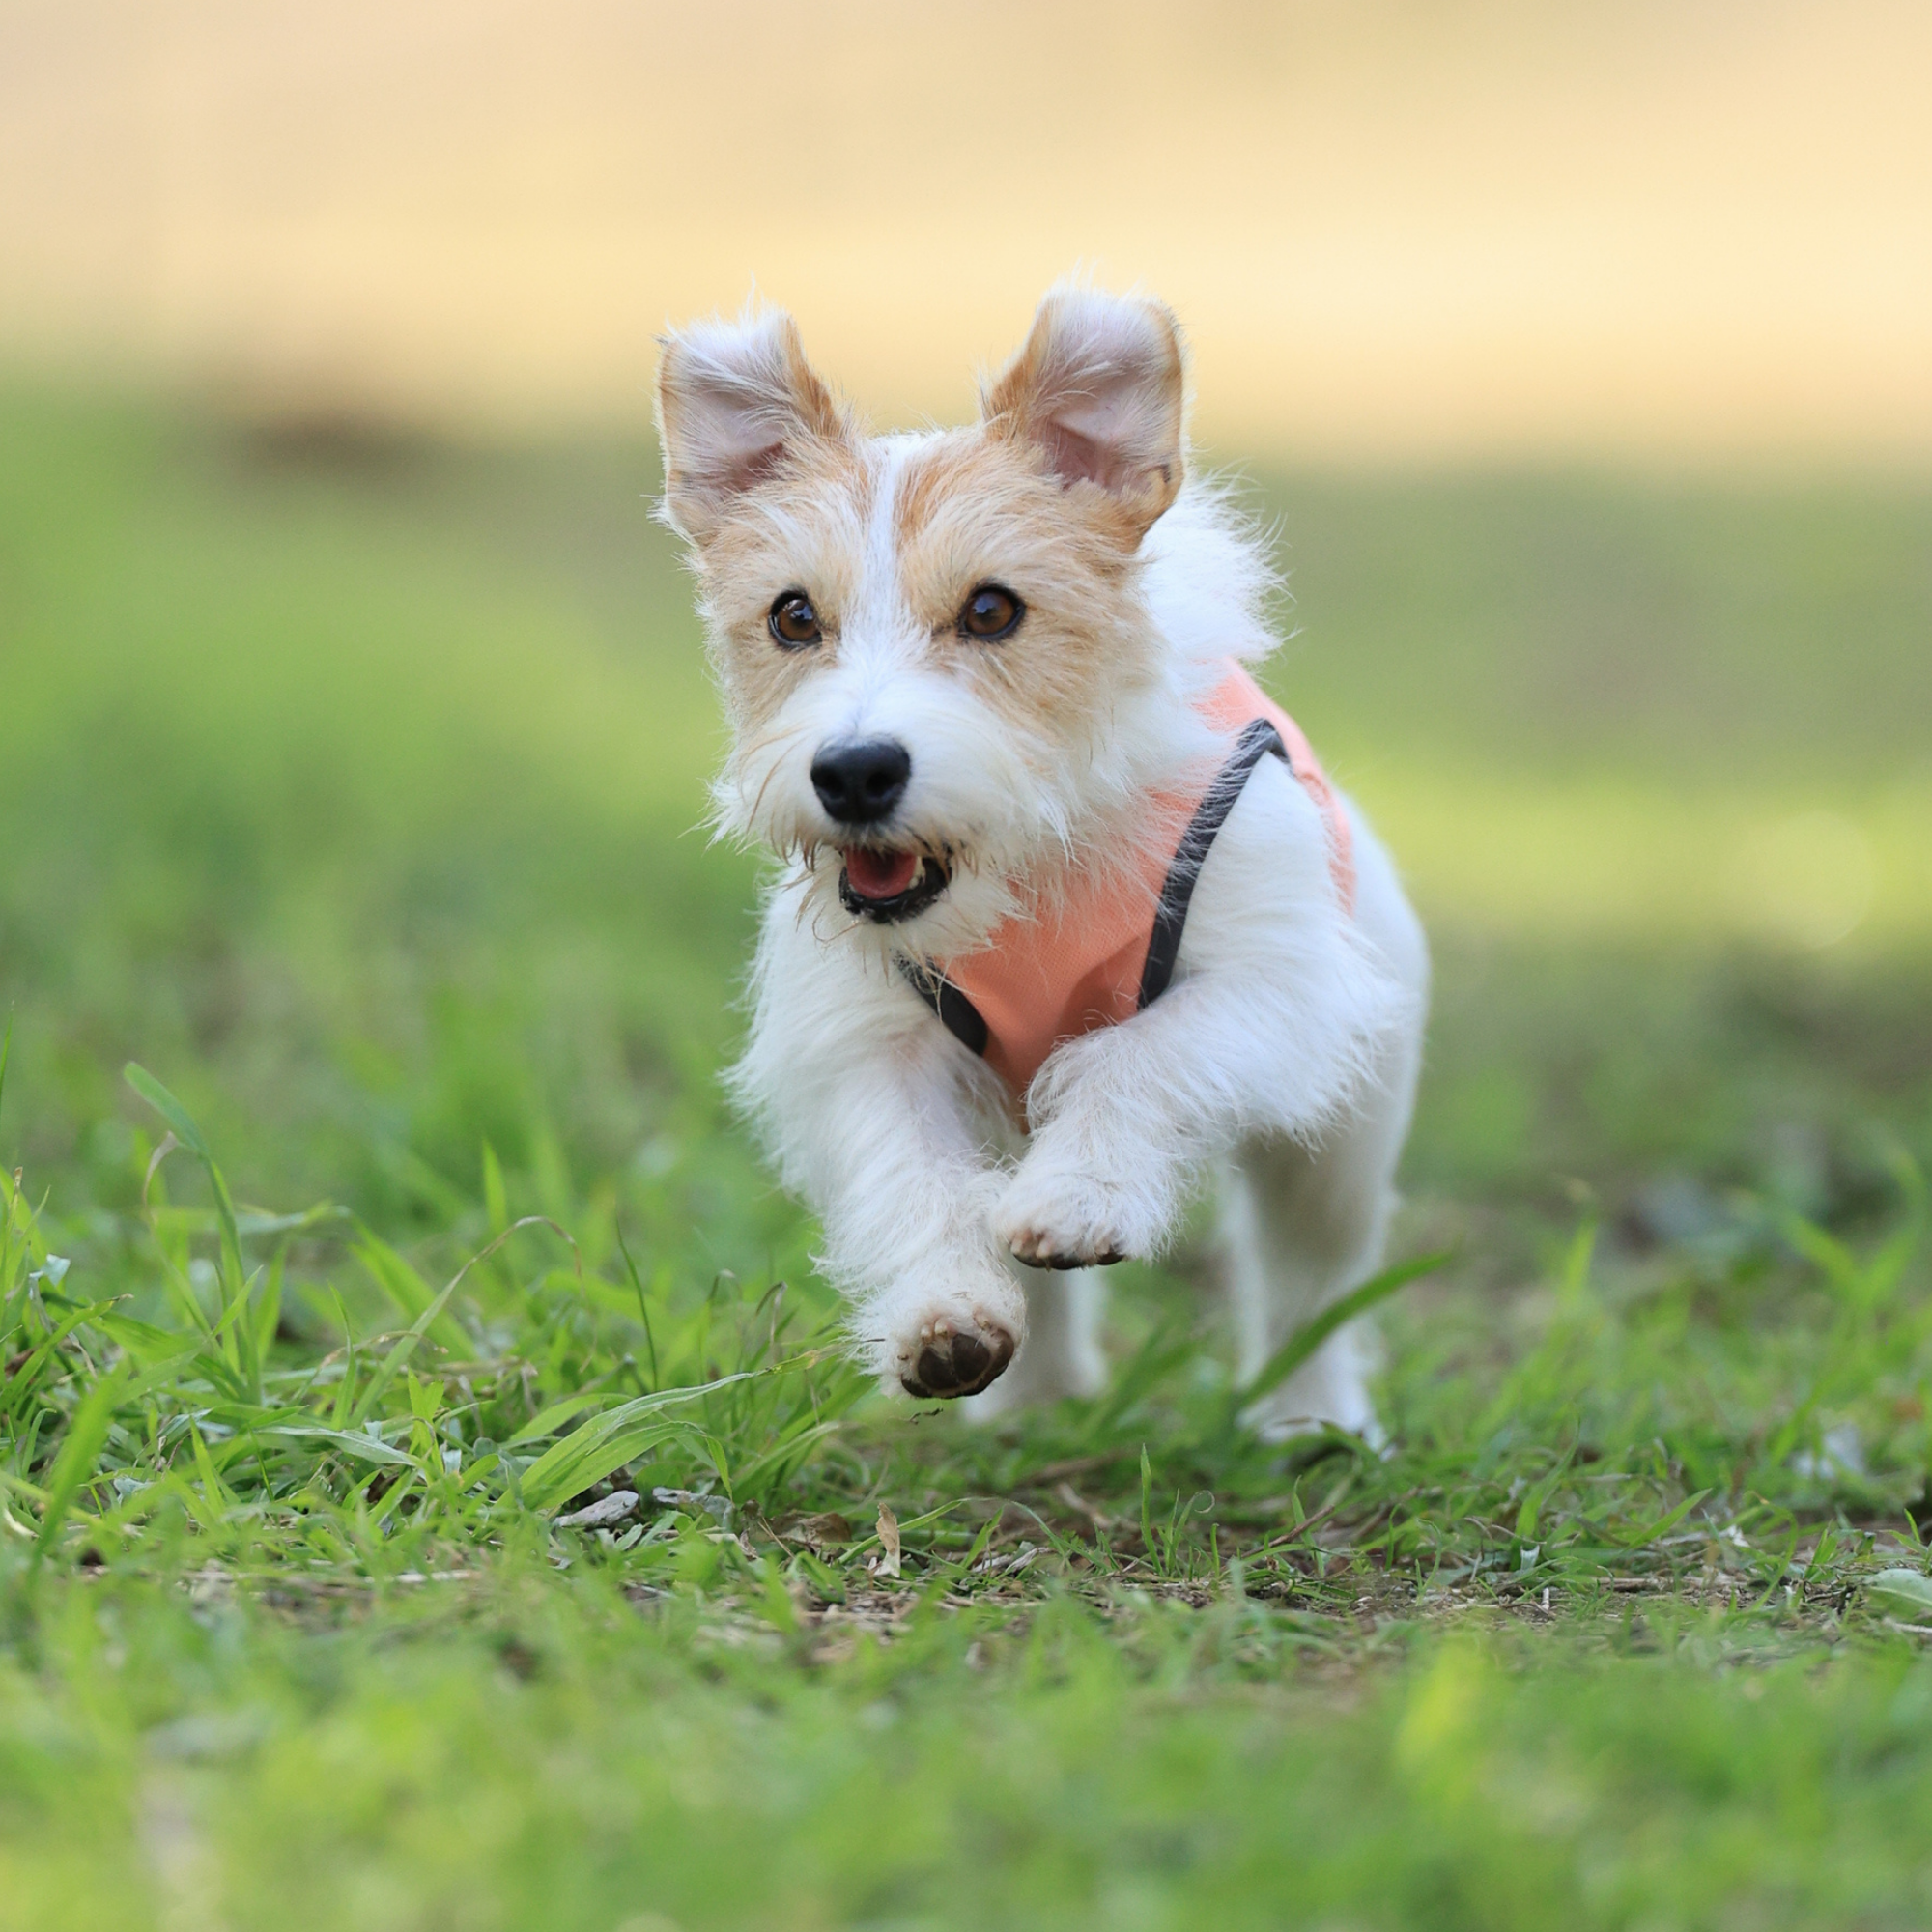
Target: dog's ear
point(1101, 387)
point(734, 398)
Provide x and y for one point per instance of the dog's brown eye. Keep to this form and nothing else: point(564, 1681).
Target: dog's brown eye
point(793, 620)
point(991, 613)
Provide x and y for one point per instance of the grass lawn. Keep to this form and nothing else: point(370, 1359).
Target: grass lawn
point(347, 787)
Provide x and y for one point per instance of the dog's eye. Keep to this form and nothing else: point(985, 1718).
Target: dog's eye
point(991, 613)
point(793, 620)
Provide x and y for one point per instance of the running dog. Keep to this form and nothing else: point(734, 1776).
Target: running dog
point(1069, 913)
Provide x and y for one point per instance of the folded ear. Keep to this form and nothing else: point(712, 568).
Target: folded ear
point(733, 398)
point(1101, 388)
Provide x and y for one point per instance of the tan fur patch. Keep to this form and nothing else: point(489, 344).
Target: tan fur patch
point(733, 405)
point(1099, 389)
point(974, 507)
point(803, 529)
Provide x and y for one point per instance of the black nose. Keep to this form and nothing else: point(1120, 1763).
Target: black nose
point(860, 782)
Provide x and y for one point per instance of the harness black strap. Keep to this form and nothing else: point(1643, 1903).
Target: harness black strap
point(1260, 739)
point(961, 1018)
point(1257, 741)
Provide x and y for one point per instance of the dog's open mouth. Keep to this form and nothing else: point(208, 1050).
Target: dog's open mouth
point(889, 886)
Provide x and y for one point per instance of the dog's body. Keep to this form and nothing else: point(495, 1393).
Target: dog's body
point(965, 671)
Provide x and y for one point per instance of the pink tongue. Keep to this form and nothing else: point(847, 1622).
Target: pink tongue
point(880, 875)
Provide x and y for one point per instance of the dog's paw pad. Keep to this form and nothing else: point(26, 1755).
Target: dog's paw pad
point(1073, 1240)
point(952, 1361)
point(1047, 1251)
point(1057, 1221)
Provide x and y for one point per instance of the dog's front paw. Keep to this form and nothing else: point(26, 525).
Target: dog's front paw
point(1061, 1221)
point(950, 1358)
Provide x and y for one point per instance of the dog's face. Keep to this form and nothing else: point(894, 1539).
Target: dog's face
point(923, 642)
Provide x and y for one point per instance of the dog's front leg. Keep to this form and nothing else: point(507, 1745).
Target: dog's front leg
point(1279, 1013)
point(1112, 1150)
point(869, 1107)
point(1126, 1117)
point(905, 1199)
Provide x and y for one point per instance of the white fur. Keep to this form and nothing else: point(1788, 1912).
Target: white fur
point(1284, 1055)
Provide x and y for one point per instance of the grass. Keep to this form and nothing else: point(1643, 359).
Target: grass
point(371, 1211)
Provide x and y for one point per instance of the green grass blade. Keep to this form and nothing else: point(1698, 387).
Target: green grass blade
point(406, 1289)
point(399, 1355)
point(1311, 1335)
point(643, 1304)
point(266, 1318)
point(1667, 1523)
point(548, 1421)
point(392, 1268)
point(589, 1453)
point(22, 1380)
point(365, 1447)
point(238, 1342)
point(217, 1494)
point(78, 1453)
point(171, 1110)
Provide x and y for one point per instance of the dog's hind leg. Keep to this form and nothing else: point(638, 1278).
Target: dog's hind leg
point(1061, 1353)
point(1304, 1226)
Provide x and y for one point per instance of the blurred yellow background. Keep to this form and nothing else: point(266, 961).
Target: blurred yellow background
point(1649, 232)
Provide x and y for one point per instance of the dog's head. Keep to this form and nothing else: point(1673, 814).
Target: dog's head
point(927, 644)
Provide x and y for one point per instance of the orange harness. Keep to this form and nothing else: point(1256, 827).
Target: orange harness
point(1108, 947)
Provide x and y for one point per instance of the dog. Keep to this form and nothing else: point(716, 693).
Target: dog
point(1067, 914)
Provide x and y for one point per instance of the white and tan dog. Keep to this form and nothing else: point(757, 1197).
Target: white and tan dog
point(1055, 934)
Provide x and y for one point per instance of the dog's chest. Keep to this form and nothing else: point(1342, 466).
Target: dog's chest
point(1106, 946)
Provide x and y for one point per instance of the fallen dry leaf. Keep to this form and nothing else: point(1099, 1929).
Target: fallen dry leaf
point(825, 1530)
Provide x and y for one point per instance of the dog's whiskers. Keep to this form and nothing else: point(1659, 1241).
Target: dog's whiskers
point(758, 803)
